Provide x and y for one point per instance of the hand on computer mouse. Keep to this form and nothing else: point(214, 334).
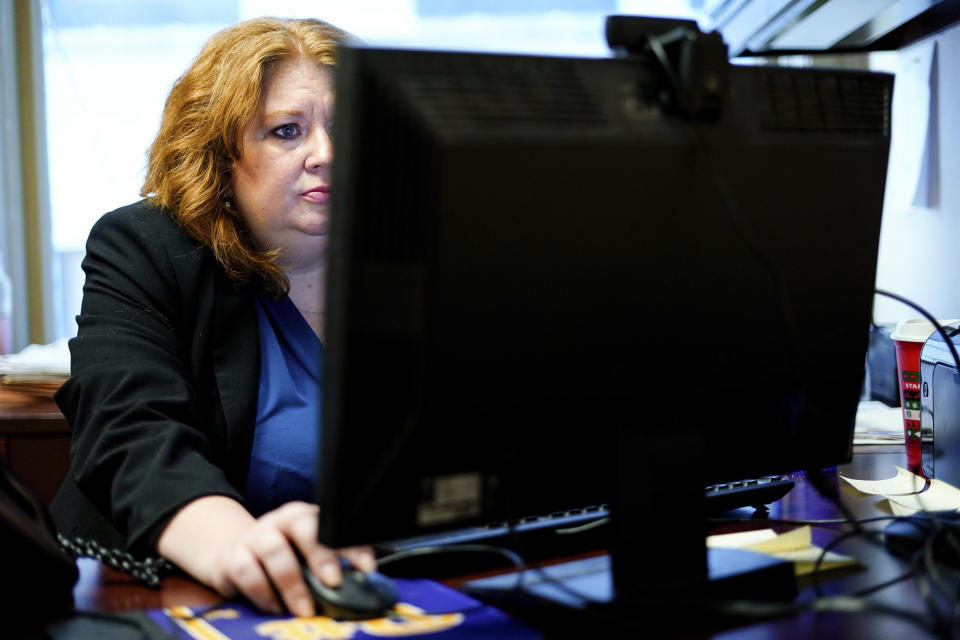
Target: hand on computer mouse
point(359, 596)
point(218, 542)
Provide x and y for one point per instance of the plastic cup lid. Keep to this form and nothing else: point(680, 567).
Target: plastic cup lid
point(916, 329)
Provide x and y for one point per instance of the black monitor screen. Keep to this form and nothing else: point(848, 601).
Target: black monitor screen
point(540, 277)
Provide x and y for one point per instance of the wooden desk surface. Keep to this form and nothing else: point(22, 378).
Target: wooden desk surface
point(34, 441)
point(101, 589)
point(24, 413)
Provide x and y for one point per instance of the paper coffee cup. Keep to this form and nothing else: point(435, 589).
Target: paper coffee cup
point(908, 339)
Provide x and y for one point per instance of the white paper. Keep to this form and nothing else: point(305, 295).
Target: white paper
point(878, 424)
point(903, 483)
point(939, 497)
point(38, 359)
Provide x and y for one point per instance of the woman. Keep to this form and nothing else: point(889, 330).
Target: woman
point(195, 372)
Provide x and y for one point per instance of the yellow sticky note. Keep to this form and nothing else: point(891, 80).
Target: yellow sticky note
point(793, 546)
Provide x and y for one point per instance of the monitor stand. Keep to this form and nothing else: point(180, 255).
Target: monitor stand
point(658, 557)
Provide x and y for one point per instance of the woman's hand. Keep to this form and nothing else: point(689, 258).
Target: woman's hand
point(217, 541)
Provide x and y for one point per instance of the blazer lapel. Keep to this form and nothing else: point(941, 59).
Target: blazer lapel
point(236, 353)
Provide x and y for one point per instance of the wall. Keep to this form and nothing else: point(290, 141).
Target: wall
point(919, 256)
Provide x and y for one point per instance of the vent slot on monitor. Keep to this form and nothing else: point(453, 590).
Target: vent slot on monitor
point(392, 219)
point(497, 94)
point(834, 103)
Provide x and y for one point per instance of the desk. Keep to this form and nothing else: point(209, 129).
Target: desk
point(34, 441)
point(101, 589)
point(871, 461)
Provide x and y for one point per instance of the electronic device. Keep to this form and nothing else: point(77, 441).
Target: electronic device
point(720, 498)
point(556, 282)
point(883, 381)
point(940, 530)
point(360, 596)
point(940, 407)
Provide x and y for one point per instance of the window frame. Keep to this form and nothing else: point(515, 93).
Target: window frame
point(25, 214)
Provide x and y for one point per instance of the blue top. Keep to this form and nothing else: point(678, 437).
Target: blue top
point(284, 456)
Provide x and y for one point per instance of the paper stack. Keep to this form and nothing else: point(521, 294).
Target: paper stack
point(908, 493)
point(37, 370)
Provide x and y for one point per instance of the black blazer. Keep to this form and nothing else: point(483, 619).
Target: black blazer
point(163, 388)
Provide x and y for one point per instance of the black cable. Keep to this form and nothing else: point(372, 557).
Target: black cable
point(863, 533)
point(826, 523)
point(521, 566)
point(611, 613)
point(933, 572)
point(926, 314)
point(514, 557)
point(829, 604)
point(871, 536)
point(916, 564)
point(924, 568)
point(826, 489)
point(931, 565)
point(928, 572)
point(535, 566)
point(830, 525)
point(880, 586)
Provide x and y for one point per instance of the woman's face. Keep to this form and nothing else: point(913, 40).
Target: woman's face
point(281, 182)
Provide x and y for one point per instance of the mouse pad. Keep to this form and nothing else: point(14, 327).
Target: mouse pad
point(425, 607)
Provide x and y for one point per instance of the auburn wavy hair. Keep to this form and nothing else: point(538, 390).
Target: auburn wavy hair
point(200, 137)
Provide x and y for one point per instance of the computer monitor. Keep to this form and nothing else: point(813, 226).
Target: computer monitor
point(551, 287)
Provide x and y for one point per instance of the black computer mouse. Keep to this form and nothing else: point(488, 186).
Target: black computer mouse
point(360, 596)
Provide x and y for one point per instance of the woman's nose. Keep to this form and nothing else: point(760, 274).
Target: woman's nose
point(321, 149)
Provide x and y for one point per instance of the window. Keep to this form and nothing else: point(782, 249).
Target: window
point(107, 69)
point(109, 64)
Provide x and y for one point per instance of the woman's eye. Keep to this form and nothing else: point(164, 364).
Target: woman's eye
point(286, 131)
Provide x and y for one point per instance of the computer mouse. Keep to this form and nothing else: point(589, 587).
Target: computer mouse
point(360, 596)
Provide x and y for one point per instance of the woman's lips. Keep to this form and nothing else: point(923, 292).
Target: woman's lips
point(320, 195)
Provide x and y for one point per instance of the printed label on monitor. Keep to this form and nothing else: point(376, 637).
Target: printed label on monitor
point(445, 499)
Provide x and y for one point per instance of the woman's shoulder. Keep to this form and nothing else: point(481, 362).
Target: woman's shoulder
point(143, 216)
point(147, 227)
point(142, 238)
